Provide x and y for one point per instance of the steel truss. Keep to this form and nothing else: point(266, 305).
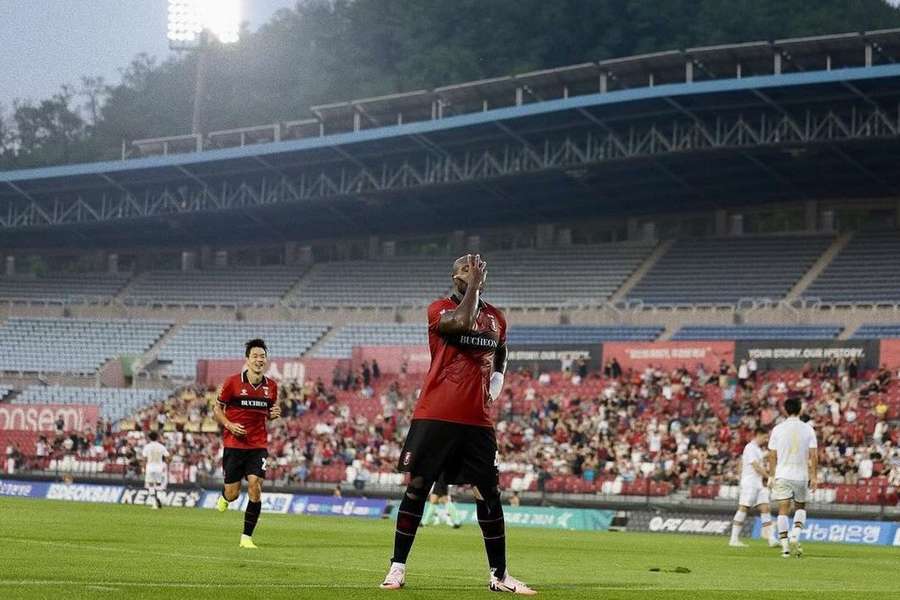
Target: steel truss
point(433, 166)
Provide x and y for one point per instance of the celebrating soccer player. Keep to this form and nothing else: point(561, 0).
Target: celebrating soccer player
point(793, 463)
point(246, 402)
point(754, 492)
point(451, 430)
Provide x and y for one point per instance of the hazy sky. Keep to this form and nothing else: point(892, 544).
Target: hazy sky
point(45, 43)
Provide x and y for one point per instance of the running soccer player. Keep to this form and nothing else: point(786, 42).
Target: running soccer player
point(440, 506)
point(793, 465)
point(155, 472)
point(451, 431)
point(246, 402)
point(754, 492)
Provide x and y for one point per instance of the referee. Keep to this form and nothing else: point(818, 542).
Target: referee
point(451, 431)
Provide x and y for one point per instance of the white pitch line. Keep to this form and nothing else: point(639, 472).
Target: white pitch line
point(305, 563)
point(556, 587)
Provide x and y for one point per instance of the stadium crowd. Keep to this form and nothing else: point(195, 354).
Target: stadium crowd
point(678, 428)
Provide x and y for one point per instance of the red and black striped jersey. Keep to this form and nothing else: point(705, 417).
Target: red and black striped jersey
point(456, 386)
point(248, 405)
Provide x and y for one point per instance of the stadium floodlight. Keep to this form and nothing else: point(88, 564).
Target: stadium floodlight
point(190, 20)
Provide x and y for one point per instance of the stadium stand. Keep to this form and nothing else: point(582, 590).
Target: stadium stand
point(547, 277)
point(868, 331)
point(54, 288)
point(263, 286)
point(580, 275)
point(223, 339)
point(864, 271)
point(581, 334)
point(714, 271)
point(79, 346)
point(758, 332)
point(115, 403)
point(380, 283)
point(342, 341)
point(547, 430)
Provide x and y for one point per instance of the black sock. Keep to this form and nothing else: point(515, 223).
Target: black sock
point(251, 516)
point(493, 529)
point(409, 515)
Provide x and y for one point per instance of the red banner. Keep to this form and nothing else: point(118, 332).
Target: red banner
point(214, 371)
point(890, 353)
point(668, 355)
point(390, 358)
point(42, 417)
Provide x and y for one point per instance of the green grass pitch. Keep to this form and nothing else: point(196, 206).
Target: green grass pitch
point(68, 550)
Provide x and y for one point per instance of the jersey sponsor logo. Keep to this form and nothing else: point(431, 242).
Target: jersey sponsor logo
point(707, 526)
point(243, 391)
point(252, 403)
point(478, 341)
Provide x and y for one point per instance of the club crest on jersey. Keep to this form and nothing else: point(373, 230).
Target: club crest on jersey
point(265, 390)
point(493, 322)
point(407, 458)
point(243, 391)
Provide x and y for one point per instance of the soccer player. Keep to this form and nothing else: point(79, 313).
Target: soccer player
point(451, 431)
point(246, 402)
point(754, 492)
point(440, 506)
point(155, 472)
point(793, 466)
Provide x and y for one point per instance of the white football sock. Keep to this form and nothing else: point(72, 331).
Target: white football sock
point(738, 524)
point(783, 525)
point(799, 523)
point(766, 520)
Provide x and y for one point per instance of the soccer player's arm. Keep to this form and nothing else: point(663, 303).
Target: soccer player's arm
point(219, 412)
point(813, 462)
point(773, 459)
point(500, 354)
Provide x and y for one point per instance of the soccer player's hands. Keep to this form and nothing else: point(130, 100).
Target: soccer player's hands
point(275, 412)
point(813, 484)
point(477, 270)
point(235, 428)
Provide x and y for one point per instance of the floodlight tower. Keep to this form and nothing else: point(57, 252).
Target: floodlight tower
point(192, 24)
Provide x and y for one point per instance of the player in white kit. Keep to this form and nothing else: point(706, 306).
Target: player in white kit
point(754, 493)
point(155, 471)
point(793, 466)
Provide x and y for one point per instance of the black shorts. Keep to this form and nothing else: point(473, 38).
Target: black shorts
point(238, 463)
point(456, 453)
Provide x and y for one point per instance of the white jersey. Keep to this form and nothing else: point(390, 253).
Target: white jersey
point(155, 453)
point(752, 454)
point(792, 440)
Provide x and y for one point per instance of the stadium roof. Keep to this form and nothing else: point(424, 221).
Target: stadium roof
point(793, 134)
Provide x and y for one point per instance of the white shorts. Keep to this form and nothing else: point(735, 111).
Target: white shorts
point(788, 489)
point(155, 478)
point(753, 495)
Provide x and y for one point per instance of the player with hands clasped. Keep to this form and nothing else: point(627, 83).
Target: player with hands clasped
point(452, 432)
point(247, 400)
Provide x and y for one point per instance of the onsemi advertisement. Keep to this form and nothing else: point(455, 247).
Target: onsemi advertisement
point(43, 417)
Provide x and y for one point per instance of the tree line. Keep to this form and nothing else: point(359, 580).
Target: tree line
point(323, 51)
